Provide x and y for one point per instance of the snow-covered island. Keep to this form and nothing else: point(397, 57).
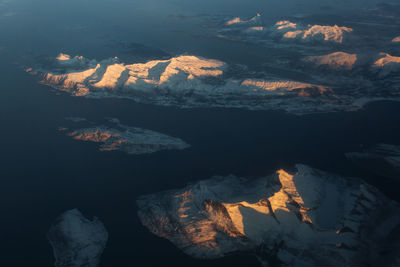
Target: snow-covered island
point(184, 81)
point(191, 81)
point(387, 64)
point(285, 30)
point(335, 60)
point(76, 240)
point(239, 22)
point(311, 39)
point(323, 33)
point(131, 140)
point(305, 218)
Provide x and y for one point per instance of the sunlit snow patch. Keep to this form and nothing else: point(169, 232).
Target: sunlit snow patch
point(290, 30)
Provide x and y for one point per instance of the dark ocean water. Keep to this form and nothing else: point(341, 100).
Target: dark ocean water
point(44, 173)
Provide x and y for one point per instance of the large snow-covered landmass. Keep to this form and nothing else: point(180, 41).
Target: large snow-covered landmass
point(105, 77)
point(308, 218)
point(131, 140)
point(76, 240)
point(191, 81)
point(184, 81)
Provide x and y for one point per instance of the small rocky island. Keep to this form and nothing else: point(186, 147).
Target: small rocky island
point(118, 137)
point(76, 240)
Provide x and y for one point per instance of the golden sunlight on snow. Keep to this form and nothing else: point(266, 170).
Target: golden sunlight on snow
point(244, 213)
point(192, 65)
point(285, 24)
point(199, 231)
point(292, 34)
point(100, 136)
point(291, 30)
point(386, 59)
point(158, 72)
point(289, 188)
point(330, 33)
point(70, 80)
point(237, 20)
point(281, 85)
point(396, 40)
point(62, 56)
point(234, 21)
point(94, 136)
point(258, 28)
point(336, 60)
point(111, 76)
